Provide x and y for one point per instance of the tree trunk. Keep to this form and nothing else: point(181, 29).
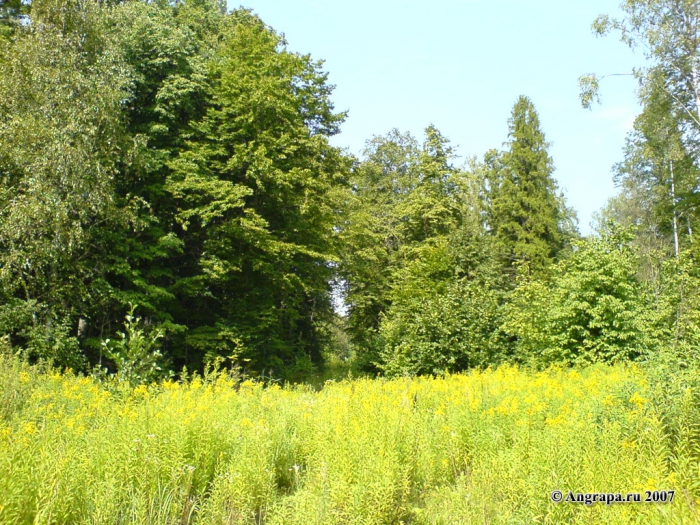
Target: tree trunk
point(676, 245)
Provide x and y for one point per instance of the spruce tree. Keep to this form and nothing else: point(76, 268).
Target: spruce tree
point(526, 215)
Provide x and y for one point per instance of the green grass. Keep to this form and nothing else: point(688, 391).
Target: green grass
point(484, 447)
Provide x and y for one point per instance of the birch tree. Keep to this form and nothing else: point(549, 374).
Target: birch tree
point(668, 31)
point(662, 151)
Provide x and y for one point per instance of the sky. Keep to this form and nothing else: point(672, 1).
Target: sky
point(461, 65)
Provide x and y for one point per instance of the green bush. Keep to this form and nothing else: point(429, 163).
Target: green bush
point(592, 310)
point(136, 353)
point(41, 333)
point(438, 322)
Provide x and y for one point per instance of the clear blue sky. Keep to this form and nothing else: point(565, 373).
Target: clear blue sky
point(461, 65)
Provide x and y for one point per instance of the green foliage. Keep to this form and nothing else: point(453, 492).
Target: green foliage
point(659, 169)
point(590, 90)
point(136, 353)
point(592, 310)
point(167, 49)
point(12, 13)
point(675, 304)
point(372, 234)
point(61, 135)
point(673, 365)
point(415, 248)
point(257, 192)
point(169, 155)
point(659, 174)
point(176, 156)
point(40, 333)
point(525, 214)
point(667, 31)
point(439, 322)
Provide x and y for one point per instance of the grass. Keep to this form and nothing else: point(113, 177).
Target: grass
point(483, 447)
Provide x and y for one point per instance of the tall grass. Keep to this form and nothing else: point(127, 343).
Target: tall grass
point(486, 447)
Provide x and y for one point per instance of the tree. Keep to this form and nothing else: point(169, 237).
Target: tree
point(173, 156)
point(167, 49)
point(669, 31)
point(61, 133)
point(372, 233)
point(666, 134)
point(417, 268)
point(659, 175)
point(525, 214)
point(257, 191)
point(13, 15)
point(443, 316)
point(112, 88)
point(659, 166)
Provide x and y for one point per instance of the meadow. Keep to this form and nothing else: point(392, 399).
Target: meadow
point(479, 447)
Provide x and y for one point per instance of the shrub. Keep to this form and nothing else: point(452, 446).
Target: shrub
point(592, 310)
point(136, 353)
point(439, 322)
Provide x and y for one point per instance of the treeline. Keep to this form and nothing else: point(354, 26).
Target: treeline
point(450, 269)
point(170, 162)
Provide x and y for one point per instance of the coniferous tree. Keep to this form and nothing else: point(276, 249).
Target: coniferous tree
point(525, 213)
